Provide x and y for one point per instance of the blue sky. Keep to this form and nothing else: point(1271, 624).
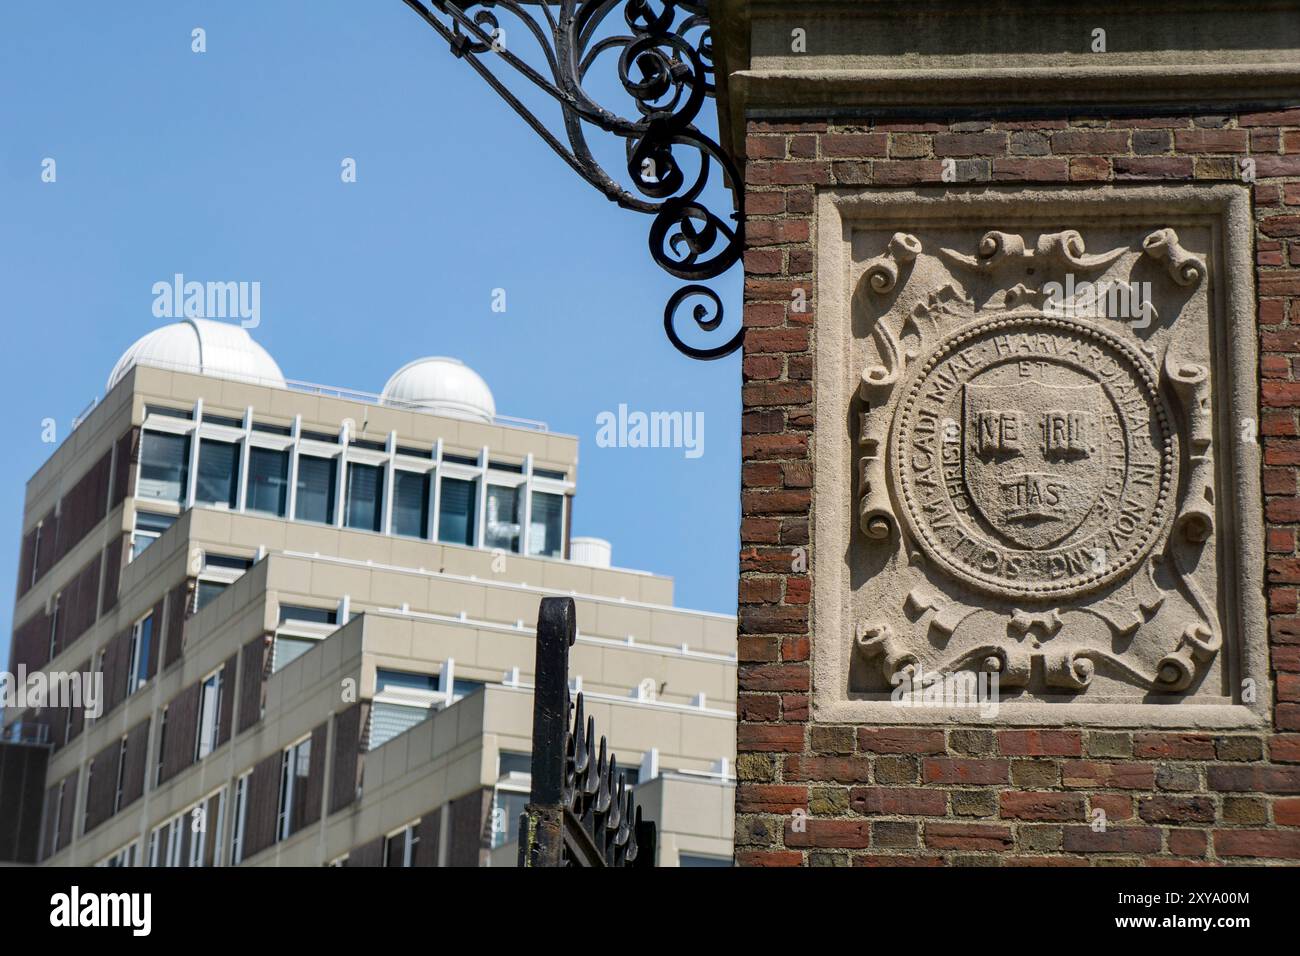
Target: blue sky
point(226, 166)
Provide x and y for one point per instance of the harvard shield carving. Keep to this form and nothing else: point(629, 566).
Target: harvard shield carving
point(1034, 456)
point(1033, 461)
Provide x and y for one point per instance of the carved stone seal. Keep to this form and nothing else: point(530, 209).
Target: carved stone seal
point(1034, 456)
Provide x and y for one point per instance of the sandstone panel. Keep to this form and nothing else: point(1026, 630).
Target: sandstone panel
point(1037, 454)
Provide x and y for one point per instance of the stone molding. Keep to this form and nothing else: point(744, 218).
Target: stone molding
point(950, 55)
point(906, 276)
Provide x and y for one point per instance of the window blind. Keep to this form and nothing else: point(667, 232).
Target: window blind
point(315, 489)
point(456, 511)
point(268, 481)
point(389, 720)
point(365, 497)
point(546, 525)
point(218, 481)
point(164, 466)
point(502, 529)
point(410, 503)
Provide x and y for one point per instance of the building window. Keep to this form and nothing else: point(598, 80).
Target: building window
point(364, 506)
point(310, 624)
point(164, 467)
point(36, 555)
point(175, 840)
point(696, 859)
point(456, 511)
point(162, 747)
point(311, 615)
point(209, 715)
point(268, 481)
point(220, 829)
point(137, 674)
point(241, 811)
point(502, 529)
point(166, 412)
point(121, 776)
point(206, 592)
point(196, 818)
point(90, 782)
point(218, 482)
point(389, 720)
point(410, 504)
point(295, 764)
point(315, 495)
point(386, 680)
point(227, 420)
point(58, 816)
point(509, 761)
point(227, 562)
point(400, 847)
point(460, 689)
point(507, 805)
point(289, 649)
point(148, 529)
point(123, 857)
point(54, 625)
point(546, 525)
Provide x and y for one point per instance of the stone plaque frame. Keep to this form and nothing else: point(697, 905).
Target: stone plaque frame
point(870, 243)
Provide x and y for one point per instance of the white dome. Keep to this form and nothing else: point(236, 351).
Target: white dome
point(444, 386)
point(218, 349)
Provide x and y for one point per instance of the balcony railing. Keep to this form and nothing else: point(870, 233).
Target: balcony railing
point(315, 388)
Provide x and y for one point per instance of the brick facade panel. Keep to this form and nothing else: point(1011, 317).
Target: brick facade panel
point(934, 796)
point(347, 766)
point(137, 760)
point(254, 662)
point(179, 731)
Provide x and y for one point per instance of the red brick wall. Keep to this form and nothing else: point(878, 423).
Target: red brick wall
point(989, 795)
point(84, 506)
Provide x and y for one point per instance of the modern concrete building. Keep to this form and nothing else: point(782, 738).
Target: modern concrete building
point(312, 610)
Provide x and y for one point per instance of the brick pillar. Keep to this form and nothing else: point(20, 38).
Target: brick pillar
point(829, 793)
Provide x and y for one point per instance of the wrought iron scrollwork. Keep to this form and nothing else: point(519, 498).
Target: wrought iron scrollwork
point(665, 64)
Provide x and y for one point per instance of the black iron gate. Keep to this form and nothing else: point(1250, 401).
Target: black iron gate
point(580, 811)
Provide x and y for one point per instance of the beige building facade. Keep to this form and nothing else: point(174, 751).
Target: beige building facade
point(312, 612)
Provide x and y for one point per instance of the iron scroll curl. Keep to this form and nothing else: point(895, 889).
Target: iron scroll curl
point(665, 65)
